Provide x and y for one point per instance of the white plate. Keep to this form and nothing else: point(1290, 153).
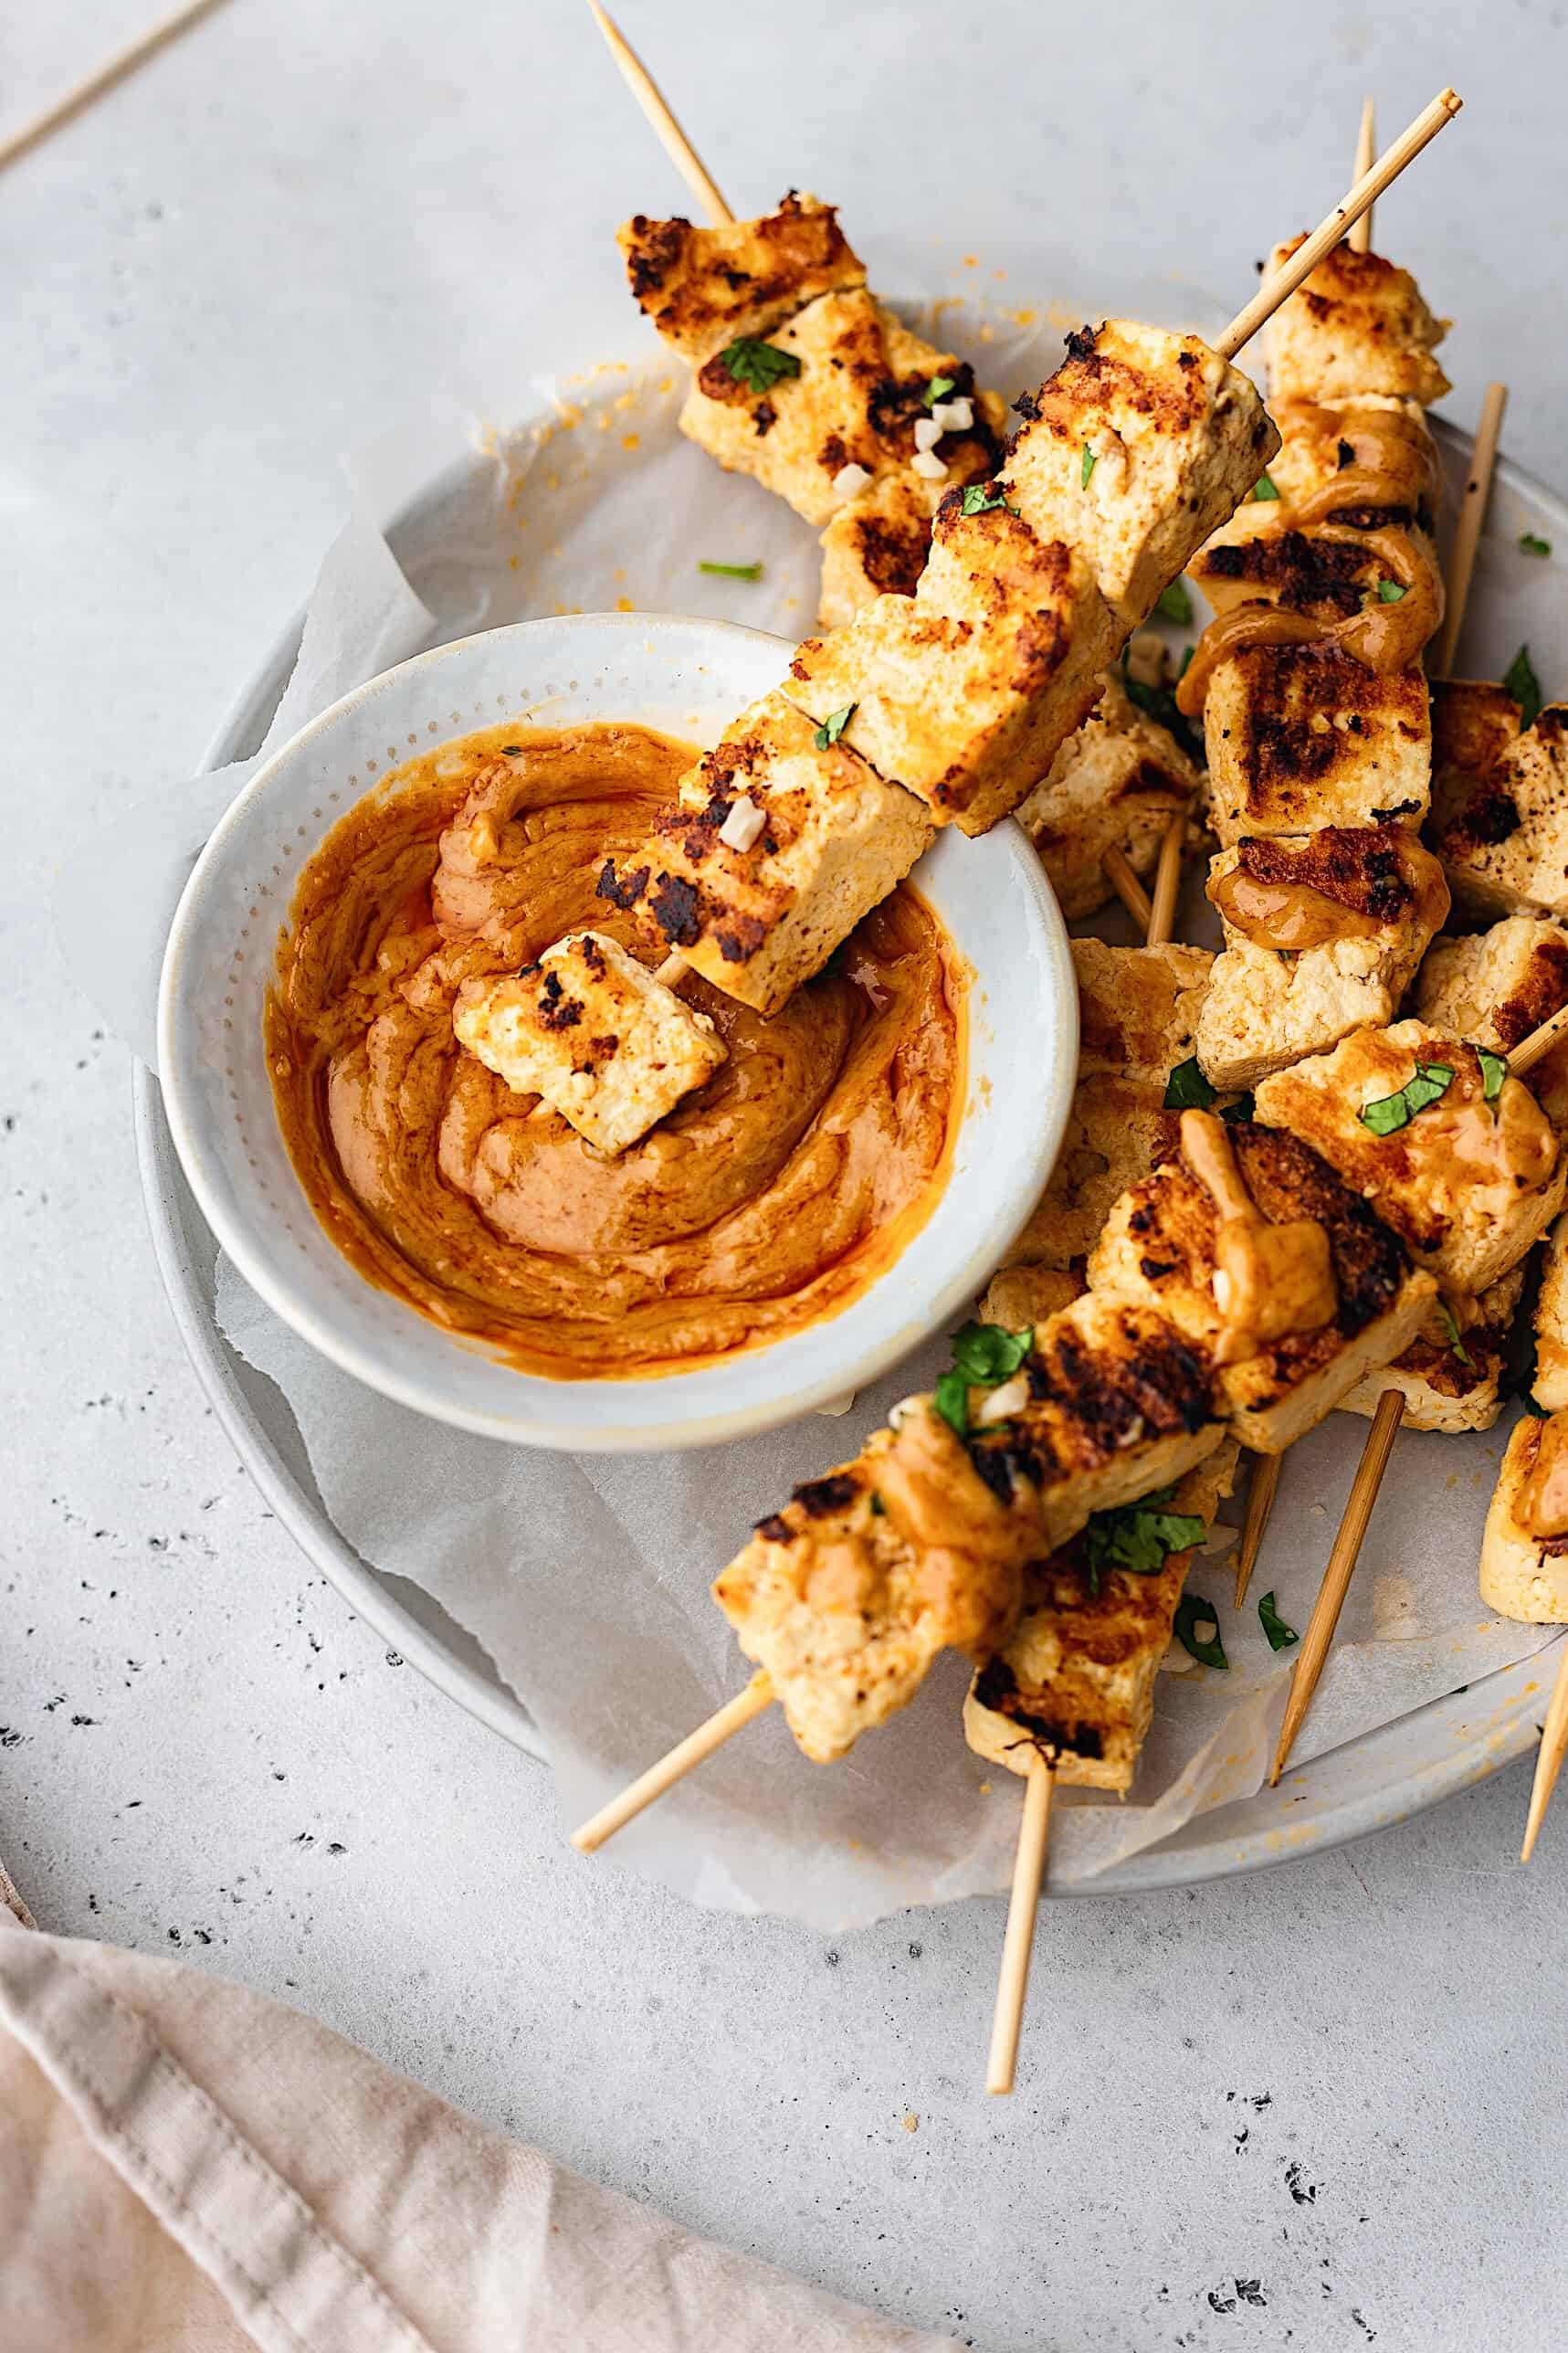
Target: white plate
point(1367, 1785)
point(688, 679)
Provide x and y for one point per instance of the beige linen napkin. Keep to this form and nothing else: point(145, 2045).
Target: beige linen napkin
point(186, 2164)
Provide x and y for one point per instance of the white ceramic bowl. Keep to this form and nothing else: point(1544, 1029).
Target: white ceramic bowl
point(688, 678)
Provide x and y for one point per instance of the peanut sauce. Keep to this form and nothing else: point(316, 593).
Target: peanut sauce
point(1269, 1279)
point(1289, 916)
point(767, 1199)
point(1542, 1508)
point(1381, 637)
point(1393, 463)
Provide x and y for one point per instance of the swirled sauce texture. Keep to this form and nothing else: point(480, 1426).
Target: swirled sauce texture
point(770, 1197)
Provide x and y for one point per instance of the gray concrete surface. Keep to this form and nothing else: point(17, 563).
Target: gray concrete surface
point(1320, 2108)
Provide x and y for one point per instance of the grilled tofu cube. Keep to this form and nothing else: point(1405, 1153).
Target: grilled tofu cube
point(1161, 1248)
point(1019, 1297)
point(1467, 1183)
point(1523, 1574)
point(1549, 1387)
point(1138, 1008)
point(1134, 450)
point(706, 288)
point(1366, 463)
point(1474, 722)
point(586, 1028)
point(834, 840)
point(1451, 1376)
point(964, 692)
point(847, 1596)
point(1115, 1131)
point(858, 390)
point(1358, 325)
point(1495, 987)
point(1076, 1681)
point(1114, 785)
point(1268, 1004)
point(1300, 737)
point(1326, 574)
point(1506, 850)
point(876, 545)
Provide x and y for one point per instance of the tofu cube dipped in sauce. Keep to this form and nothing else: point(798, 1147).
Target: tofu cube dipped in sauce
point(1114, 785)
point(1261, 1256)
point(703, 289)
point(1358, 326)
point(1465, 1168)
point(595, 1034)
point(1505, 848)
point(1133, 451)
point(835, 839)
point(1300, 737)
point(1452, 1376)
point(1076, 1681)
point(965, 693)
point(1524, 1549)
point(1363, 460)
point(1324, 933)
point(1498, 986)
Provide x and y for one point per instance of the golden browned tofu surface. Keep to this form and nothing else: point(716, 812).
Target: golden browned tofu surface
point(758, 921)
point(965, 693)
point(1451, 1376)
point(1468, 1181)
point(1138, 447)
point(1138, 1008)
point(876, 545)
point(1550, 1386)
point(1522, 1575)
point(1495, 987)
point(1115, 1131)
point(1506, 849)
point(1300, 737)
point(1359, 325)
point(1076, 1681)
point(858, 385)
point(1474, 722)
point(1160, 1247)
point(705, 287)
point(1327, 574)
point(1114, 785)
point(1019, 1297)
point(604, 1043)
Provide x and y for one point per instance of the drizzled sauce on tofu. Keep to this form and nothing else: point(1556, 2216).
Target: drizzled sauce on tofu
point(1269, 1279)
point(1542, 1507)
point(769, 1199)
point(1289, 916)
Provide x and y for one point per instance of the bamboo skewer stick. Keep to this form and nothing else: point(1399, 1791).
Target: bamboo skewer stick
point(1360, 238)
point(1327, 234)
point(675, 1765)
point(1167, 882)
point(1540, 1042)
point(651, 100)
point(11, 1898)
point(114, 70)
point(1259, 1504)
point(1468, 532)
point(1119, 873)
point(1548, 1758)
point(1023, 1908)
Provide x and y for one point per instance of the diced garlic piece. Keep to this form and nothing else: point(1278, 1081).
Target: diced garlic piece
point(928, 432)
point(744, 826)
point(850, 480)
point(1004, 1402)
point(929, 466)
point(955, 416)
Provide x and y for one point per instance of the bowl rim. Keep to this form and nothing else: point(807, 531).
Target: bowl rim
point(598, 1431)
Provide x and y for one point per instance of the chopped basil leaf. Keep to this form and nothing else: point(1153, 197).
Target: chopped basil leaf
point(1160, 704)
point(1175, 603)
point(1139, 1537)
point(756, 365)
point(1525, 688)
point(1280, 1636)
point(1451, 1326)
point(1193, 1611)
point(1263, 488)
point(1537, 1411)
point(833, 726)
point(733, 571)
point(1243, 1108)
point(978, 499)
point(1532, 543)
point(1088, 462)
point(1389, 592)
point(988, 1353)
point(879, 1509)
point(1187, 653)
point(1494, 1070)
point(1388, 1113)
point(1186, 1089)
point(937, 389)
point(951, 1400)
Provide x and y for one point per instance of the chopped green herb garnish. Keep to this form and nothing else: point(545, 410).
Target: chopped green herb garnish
point(978, 499)
point(1390, 592)
point(732, 571)
point(1175, 603)
point(984, 1357)
point(756, 365)
point(1088, 462)
point(1388, 1113)
point(952, 1401)
point(1243, 1108)
point(1139, 1537)
point(1160, 703)
point(1532, 544)
point(1525, 688)
point(937, 389)
point(1186, 1089)
point(1537, 1411)
point(1187, 653)
point(833, 726)
point(1494, 1070)
point(879, 1509)
point(1193, 1611)
point(1280, 1636)
point(1263, 488)
point(1451, 1326)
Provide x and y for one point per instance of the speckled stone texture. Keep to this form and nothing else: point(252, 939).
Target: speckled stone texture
point(1319, 2108)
